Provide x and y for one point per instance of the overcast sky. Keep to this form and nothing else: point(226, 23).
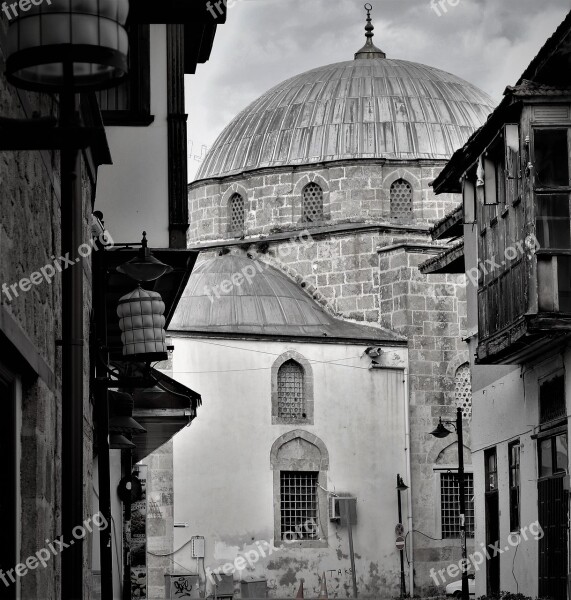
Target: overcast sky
point(487, 42)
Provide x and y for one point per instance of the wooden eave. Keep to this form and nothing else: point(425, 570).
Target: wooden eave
point(451, 226)
point(527, 337)
point(451, 261)
point(199, 22)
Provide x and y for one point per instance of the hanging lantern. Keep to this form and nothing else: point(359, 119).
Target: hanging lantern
point(142, 322)
point(56, 45)
point(121, 414)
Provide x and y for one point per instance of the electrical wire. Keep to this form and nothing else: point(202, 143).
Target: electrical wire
point(174, 551)
point(421, 533)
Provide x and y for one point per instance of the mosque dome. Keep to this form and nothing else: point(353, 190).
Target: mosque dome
point(236, 295)
point(371, 107)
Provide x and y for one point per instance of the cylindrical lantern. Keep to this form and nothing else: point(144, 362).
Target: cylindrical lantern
point(55, 45)
point(142, 322)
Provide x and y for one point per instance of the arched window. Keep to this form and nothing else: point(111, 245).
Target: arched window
point(312, 203)
point(463, 390)
point(300, 462)
point(401, 199)
point(291, 393)
point(236, 216)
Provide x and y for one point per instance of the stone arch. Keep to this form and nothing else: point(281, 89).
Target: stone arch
point(415, 183)
point(449, 454)
point(298, 188)
point(235, 188)
point(292, 456)
point(299, 450)
point(440, 445)
point(307, 384)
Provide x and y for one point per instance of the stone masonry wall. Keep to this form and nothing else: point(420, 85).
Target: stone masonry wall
point(30, 235)
point(160, 519)
point(352, 192)
point(370, 276)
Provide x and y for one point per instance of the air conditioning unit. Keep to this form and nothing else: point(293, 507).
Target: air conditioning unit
point(334, 512)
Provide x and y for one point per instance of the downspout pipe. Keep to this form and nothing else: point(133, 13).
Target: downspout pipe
point(410, 521)
point(72, 391)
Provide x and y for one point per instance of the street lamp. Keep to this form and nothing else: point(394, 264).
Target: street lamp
point(401, 487)
point(441, 432)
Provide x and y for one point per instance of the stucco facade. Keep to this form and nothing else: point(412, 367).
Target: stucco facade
point(230, 497)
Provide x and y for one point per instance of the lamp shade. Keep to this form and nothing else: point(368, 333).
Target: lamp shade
point(56, 45)
point(144, 267)
point(142, 322)
point(120, 442)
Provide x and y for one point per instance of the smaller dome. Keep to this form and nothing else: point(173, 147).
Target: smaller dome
point(262, 301)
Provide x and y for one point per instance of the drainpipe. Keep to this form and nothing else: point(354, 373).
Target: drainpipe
point(72, 361)
point(408, 478)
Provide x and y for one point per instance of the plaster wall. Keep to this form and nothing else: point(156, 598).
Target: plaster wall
point(223, 478)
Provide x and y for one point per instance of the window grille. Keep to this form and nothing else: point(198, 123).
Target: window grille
point(463, 390)
point(298, 505)
point(312, 209)
point(236, 210)
point(401, 199)
point(450, 505)
point(514, 466)
point(291, 397)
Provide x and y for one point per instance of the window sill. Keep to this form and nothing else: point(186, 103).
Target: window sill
point(282, 421)
point(304, 544)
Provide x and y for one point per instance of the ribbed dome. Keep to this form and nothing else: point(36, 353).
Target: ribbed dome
point(265, 302)
point(364, 108)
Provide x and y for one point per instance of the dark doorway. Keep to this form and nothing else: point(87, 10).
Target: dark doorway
point(8, 515)
point(492, 522)
point(552, 512)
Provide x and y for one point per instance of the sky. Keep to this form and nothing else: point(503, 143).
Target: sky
point(264, 42)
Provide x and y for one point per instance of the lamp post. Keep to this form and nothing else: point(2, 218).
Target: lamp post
point(442, 432)
point(401, 487)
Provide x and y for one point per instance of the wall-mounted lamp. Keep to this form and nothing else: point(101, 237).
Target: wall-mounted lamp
point(144, 267)
point(121, 419)
point(120, 442)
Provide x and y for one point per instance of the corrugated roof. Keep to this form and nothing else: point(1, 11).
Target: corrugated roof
point(265, 302)
point(379, 108)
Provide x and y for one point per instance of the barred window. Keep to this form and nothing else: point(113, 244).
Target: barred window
point(450, 504)
point(463, 390)
point(312, 207)
point(514, 464)
point(401, 199)
point(236, 216)
point(291, 393)
point(298, 505)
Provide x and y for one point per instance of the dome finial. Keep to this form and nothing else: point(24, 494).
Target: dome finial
point(369, 50)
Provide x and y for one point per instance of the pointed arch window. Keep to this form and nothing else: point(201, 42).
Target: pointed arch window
point(312, 203)
point(236, 213)
point(401, 199)
point(291, 393)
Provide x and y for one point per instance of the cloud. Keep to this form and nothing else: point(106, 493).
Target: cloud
point(264, 42)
